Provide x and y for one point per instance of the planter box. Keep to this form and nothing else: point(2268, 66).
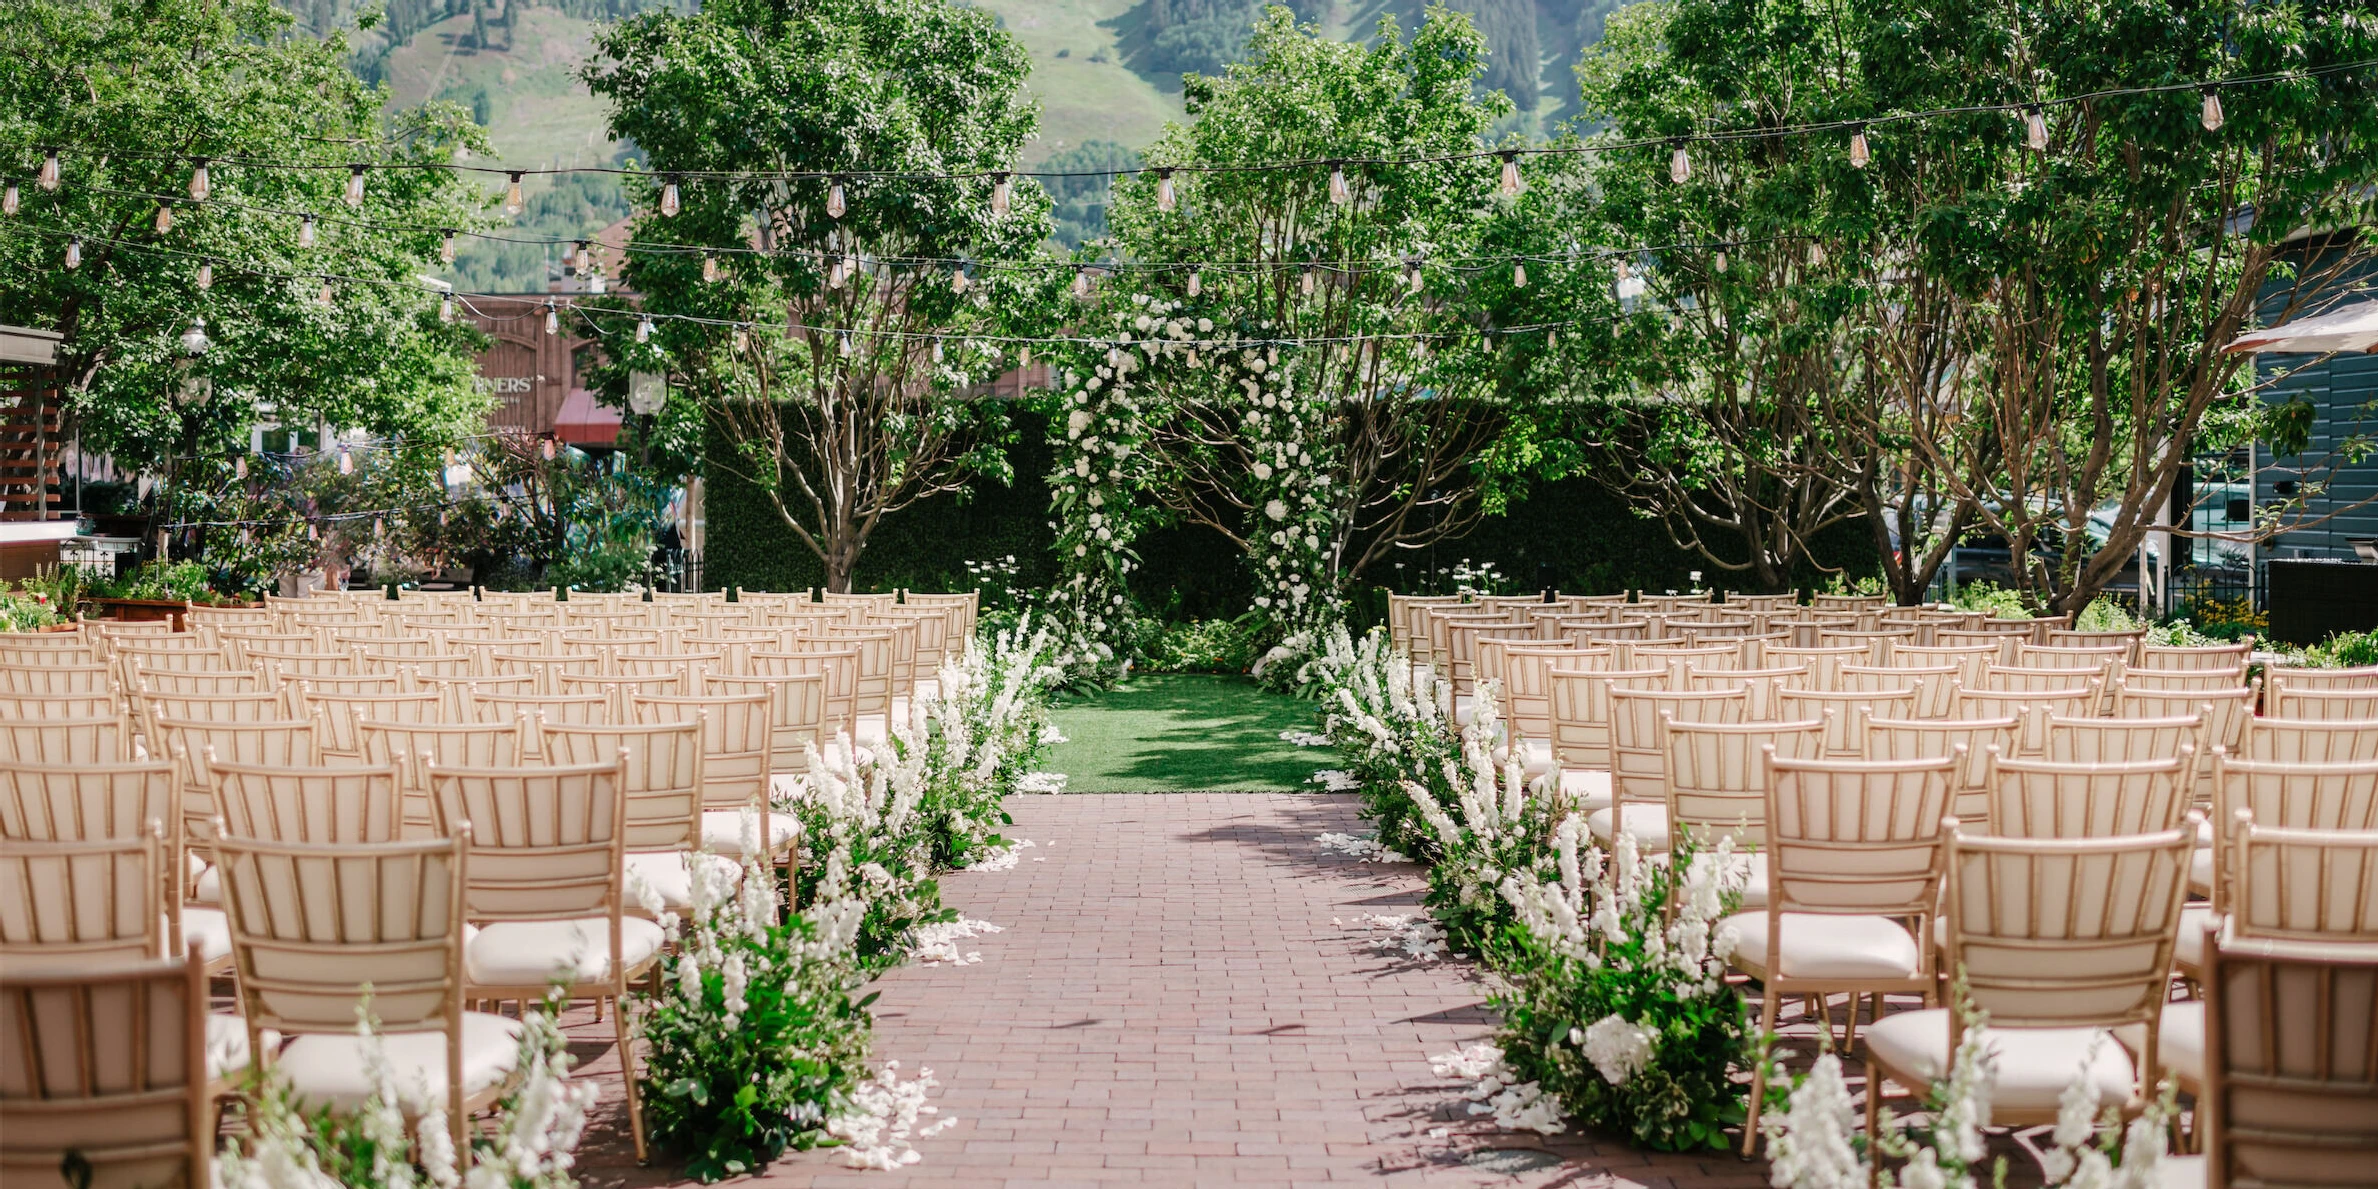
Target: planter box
point(138, 610)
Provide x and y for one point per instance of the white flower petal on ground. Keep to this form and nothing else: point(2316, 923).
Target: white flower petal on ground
point(1002, 858)
point(937, 943)
point(1362, 847)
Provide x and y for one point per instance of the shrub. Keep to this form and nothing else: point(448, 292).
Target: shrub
point(1997, 601)
point(1202, 646)
point(2345, 650)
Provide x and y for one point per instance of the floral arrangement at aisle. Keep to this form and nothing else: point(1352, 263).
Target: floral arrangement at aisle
point(531, 1143)
point(1615, 1009)
point(757, 1040)
point(1814, 1140)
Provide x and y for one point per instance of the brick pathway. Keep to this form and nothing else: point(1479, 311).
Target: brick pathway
point(1171, 1005)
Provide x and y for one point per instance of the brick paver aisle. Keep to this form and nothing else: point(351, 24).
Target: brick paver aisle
point(1171, 1005)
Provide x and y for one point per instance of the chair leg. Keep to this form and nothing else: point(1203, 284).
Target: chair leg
point(1849, 1040)
point(627, 1073)
point(1758, 1074)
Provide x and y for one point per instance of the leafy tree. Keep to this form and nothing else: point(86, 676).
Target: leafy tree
point(132, 93)
point(1084, 176)
point(838, 350)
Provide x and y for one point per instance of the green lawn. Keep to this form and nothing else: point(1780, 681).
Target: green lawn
point(1185, 733)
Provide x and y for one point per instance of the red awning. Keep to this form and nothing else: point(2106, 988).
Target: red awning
point(584, 421)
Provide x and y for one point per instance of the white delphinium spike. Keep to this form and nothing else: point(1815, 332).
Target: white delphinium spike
point(1809, 1143)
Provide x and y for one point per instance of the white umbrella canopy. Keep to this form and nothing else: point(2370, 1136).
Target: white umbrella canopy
point(2352, 328)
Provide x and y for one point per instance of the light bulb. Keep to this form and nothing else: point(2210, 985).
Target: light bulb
point(847, 349)
point(1719, 260)
point(999, 195)
point(305, 232)
point(512, 200)
point(1339, 194)
point(8, 200)
point(709, 268)
point(239, 467)
point(834, 274)
point(1552, 340)
point(325, 297)
point(1512, 184)
point(49, 170)
point(354, 185)
point(206, 275)
point(1164, 195)
point(2035, 129)
point(742, 340)
point(1519, 274)
point(1412, 265)
point(1858, 154)
point(1081, 282)
point(669, 205)
point(834, 203)
point(1622, 270)
point(1680, 164)
point(937, 349)
point(569, 259)
point(200, 184)
point(346, 462)
point(958, 279)
point(1308, 280)
point(446, 312)
point(1816, 255)
point(2212, 117)
point(164, 217)
point(1196, 283)
point(552, 319)
point(644, 329)
point(446, 248)
point(74, 254)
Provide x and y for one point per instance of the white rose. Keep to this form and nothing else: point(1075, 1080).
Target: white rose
point(1263, 471)
point(1076, 422)
point(1205, 326)
point(1276, 510)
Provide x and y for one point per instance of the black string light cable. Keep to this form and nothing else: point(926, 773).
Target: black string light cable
point(2032, 111)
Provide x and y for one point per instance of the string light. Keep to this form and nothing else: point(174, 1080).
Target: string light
point(709, 267)
point(547, 447)
point(1858, 154)
point(512, 200)
point(834, 203)
point(834, 274)
point(2212, 117)
point(206, 275)
point(958, 278)
point(2035, 129)
point(1339, 193)
point(48, 179)
point(200, 184)
point(74, 254)
point(741, 339)
point(8, 200)
point(446, 248)
point(446, 314)
point(1680, 164)
point(669, 205)
point(1719, 260)
point(305, 232)
point(1164, 193)
point(1816, 255)
point(1412, 272)
point(999, 195)
point(847, 349)
point(569, 258)
point(1196, 282)
point(552, 319)
point(325, 296)
point(1512, 185)
point(355, 185)
point(1308, 280)
point(164, 217)
point(644, 329)
point(1081, 282)
point(937, 348)
point(1519, 275)
point(239, 466)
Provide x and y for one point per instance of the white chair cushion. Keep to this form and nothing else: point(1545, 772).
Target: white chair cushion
point(1464, 709)
point(1647, 821)
point(670, 873)
point(2180, 1172)
point(872, 730)
point(722, 830)
point(206, 932)
point(227, 1053)
point(208, 887)
point(535, 953)
point(328, 1068)
point(2180, 1046)
point(2189, 948)
point(1585, 790)
point(2034, 1065)
point(1816, 946)
point(1535, 757)
point(1749, 866)
point(2200, 870)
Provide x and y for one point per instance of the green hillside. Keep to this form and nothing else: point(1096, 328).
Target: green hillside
point(1086, 90)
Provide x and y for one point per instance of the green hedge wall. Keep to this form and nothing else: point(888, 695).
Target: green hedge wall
point(1569, 534)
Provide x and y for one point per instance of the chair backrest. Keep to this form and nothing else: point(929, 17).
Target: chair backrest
point(1581, 712)
point(75, 802)
point(2069, 656)
point(1823, 663)
point(2301, 679)
point(2033, 709)
point(2305, 885)
point(16, 707)
point(1970, 659)
point(1717, 781)
point(1526, 674)
point(108, 1065)
point(2066, 932)
point(56, 679)
point(287, 743)
point(2091, 799)
point(2330, 704)
point(800, 714)
point(314, 803)
point(413, 747)
point(1845, 709)
point(2288, 796)
point(1935, 738)
point(2162, 680)
point(2117, 740)
point(151, 682)
point(738, 741)
point(82, 904)
point(2291, 1069)
point(1638, 753)
point(664, 774)
point(105, 740)
point(1935, 685)
point(315, 927)
point(1855, 837)
point(2309, 741)
point(546, 842)
point(338, 714)
point(579, 709)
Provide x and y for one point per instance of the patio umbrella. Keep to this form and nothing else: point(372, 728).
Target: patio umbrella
point(2351, 328)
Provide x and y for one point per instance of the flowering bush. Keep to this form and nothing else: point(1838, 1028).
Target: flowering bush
point(1488, 827)
point(532, 1143)
point(982, 734)
point(753, 1039)
point(1393, 729)
point(1616, 1000)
